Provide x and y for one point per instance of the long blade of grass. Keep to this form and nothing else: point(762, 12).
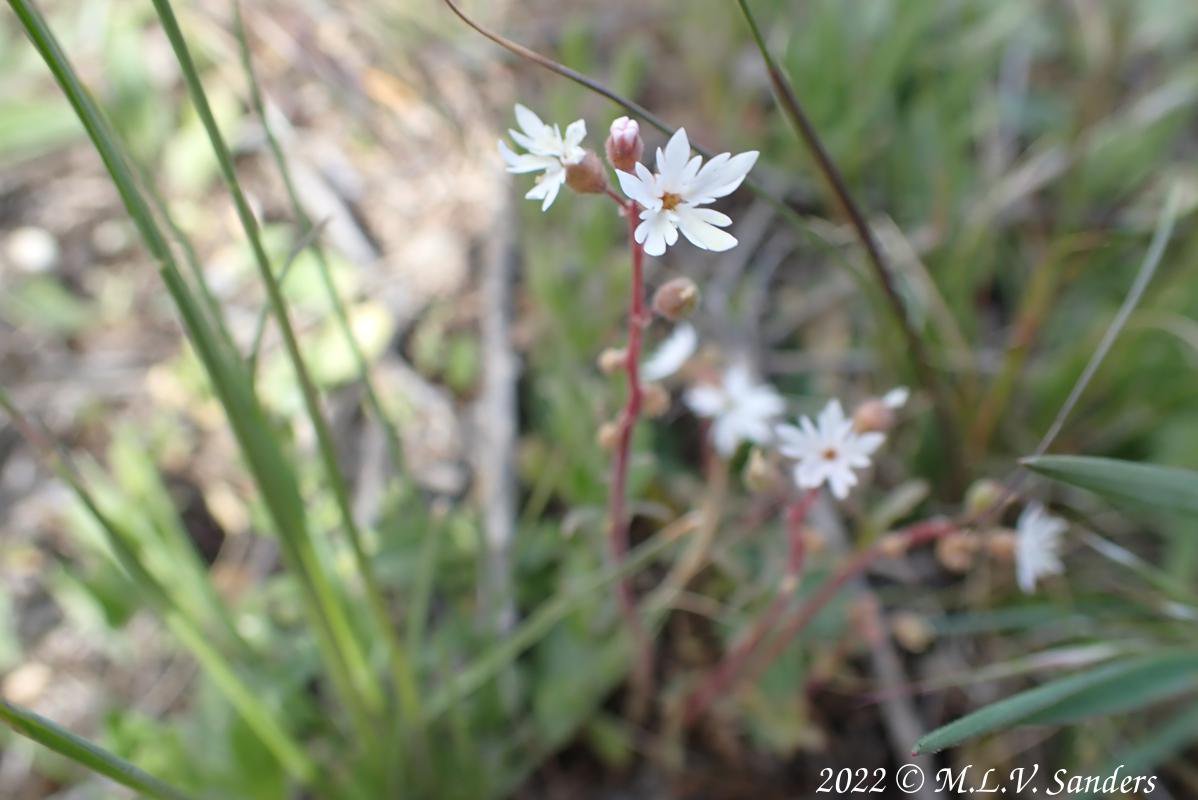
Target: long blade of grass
point(1095, 686)
point(86, 754)
point(1146, 486)
point(350, 648)
point(402, 673)
point(1152, 259)
point(784, 92)
point(272, 472)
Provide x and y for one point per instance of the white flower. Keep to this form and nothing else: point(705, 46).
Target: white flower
point(828, 450)
point(671, 354)
point(671, 197)
point(896, 398)
point(1037, 542)
point(741, 409)
point(549, 152)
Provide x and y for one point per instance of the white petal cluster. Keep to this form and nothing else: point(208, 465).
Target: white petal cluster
point(672, 198)
point(1037, 546)
point(671, 354)
point(549, 152)
point(828, 450)
point(741, 409)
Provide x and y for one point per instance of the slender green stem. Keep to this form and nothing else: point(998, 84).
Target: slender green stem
point(85, 753)
point(348, 645)
point(326, 274)
point(784, 92)
point(402, 673)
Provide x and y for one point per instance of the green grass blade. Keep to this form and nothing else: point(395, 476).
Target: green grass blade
point(394, 449)
point(1151, 682)
point(87, 754)
point(1025, 706)
point(272, 472)
point(1145, 486)
point(350, 649)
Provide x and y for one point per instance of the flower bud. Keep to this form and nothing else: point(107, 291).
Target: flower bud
point(608, 435)
point(676, 299)
point(893, 545)
point(955, 552)
point(1000, 544)
point(587, 176)
point(874, 415)
point(612, 360)
point(912, 631)
point(624, 146)
point(761, 473)
point(655, 400)
point(982, 496)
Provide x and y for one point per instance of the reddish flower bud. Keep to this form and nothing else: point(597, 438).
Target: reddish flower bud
point(656, 400)
point(676, 299)
point(873, 415)
point(612, 360)
point(624, 146)
point(587, 175)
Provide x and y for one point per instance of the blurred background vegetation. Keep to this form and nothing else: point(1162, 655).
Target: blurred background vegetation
point(1013, 158)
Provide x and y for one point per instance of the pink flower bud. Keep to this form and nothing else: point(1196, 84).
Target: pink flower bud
point(625, 146)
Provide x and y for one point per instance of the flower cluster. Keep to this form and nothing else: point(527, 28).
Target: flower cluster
point(669, 201)
point(831, 448)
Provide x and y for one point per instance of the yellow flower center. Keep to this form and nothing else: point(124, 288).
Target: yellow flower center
point(670, 201)
point(830, 454)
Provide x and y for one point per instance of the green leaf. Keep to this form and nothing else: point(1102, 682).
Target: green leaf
point(1118, 686)
point(1151, 682)
point(85, 753)
point(1142, 485)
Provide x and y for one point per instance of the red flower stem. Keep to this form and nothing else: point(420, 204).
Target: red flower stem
point(918, 534)
point(726, 673)
point(618, 539)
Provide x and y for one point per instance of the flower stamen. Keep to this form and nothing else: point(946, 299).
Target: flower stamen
point(670, 201)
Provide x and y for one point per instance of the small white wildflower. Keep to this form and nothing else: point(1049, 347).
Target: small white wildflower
point(828, 450)
point(549, 152)
point(671, 354)
point(741, 409)
point(1037, 546)
point(672, 197)
point(896, 398)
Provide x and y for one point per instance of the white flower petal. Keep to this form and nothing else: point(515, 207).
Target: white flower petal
point(654, 231)
point(896, 398)
point(700, 232)
point(671, 354)
point(672, 162)
point(704, 400)
point(635, 188)
point(575, 133)
point(529, 122)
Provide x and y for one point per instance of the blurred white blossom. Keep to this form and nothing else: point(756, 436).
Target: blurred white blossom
point(672, 197)
point(671, 354)
point(896, 398)
point(828, 450)
point(549, 152)
point(741, 410)
point(1037, 546)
